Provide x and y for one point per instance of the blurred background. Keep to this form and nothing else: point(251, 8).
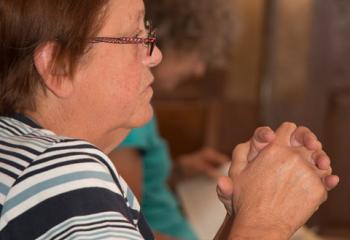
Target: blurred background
point(290, 61)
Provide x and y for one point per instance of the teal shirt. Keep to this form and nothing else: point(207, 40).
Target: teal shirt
point(158, 203)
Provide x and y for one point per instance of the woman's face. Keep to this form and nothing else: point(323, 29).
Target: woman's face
point(115, 80)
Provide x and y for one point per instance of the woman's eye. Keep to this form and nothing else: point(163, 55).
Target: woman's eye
point(139, 34)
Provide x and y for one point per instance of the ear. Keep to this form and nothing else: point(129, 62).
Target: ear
point(56, 81)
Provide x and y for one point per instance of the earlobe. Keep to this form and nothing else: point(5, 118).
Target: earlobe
point(57, 82)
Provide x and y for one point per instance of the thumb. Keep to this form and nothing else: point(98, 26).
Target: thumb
point(331, 181)
point(239, 159)
point(224, 190)
point(261, 138)
point(284, 133)
point(225, 186)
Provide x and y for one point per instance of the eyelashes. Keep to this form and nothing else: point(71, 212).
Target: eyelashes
point(140, 33)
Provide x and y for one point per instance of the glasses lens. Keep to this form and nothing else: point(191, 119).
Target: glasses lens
point(148, 25)
point(151, 48)
point(151, 36)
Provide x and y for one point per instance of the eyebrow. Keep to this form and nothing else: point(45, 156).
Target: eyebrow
point(139, 16)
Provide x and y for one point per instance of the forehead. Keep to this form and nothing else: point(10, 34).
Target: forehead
point(122, 15)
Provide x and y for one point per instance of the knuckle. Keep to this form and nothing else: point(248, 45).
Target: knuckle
point(272, 149)
point(320, 192)
point(325, 196)
point(304, 129)
point(237, 150)
point(289, 124)
point(322, 153)
point(326, 172)
point(295, 157)
point(320, 144)
point(260, 129)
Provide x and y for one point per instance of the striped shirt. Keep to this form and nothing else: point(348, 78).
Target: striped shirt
point(54, 187)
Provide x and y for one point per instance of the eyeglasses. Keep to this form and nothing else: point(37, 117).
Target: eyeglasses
point(149, 41)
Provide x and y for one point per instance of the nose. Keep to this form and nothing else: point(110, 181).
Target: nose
point(155, 59)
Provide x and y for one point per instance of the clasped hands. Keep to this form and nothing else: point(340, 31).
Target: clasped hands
point(276, 181)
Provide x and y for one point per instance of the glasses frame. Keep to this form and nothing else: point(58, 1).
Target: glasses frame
point(149, 41)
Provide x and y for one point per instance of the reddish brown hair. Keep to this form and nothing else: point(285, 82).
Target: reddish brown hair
point(25, 26)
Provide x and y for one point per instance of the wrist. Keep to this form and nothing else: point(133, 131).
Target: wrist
point(260, 231)
point(225, 229)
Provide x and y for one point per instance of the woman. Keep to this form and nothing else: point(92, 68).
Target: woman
point(75, 76)
point(190, 43)
point(60, 77)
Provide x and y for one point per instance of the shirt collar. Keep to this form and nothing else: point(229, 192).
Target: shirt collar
point(26, 120)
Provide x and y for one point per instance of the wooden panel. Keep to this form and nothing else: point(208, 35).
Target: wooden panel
point(227, 114)
point(182, 124)
point(190, 125)
point(286, 64)
point(330, 57)
point(238, 120)
point(337, 209)
point(248, 51)
point(329, 98)
point(307, 75)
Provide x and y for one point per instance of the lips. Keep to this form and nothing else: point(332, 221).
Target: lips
point(150, 82)
point(148, 86)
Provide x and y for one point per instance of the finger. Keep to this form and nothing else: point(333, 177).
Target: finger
point(331, 181)
point(321, 160)
point(224, 189)
point(225, 186)
point(324, 173)
point(313, 158)
point(304, 137)
point(239, 159)
point(261, 138)
point(263, 135)
point(284, 133)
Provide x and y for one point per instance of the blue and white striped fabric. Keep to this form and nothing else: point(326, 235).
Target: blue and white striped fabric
point(55, 187)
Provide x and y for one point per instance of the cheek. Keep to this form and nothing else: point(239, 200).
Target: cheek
point(116, 84)
point(121, 74)
point(126, 84)
point(125, 88)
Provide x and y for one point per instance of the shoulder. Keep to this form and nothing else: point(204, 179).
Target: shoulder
point(55, 182)
point(68, 184)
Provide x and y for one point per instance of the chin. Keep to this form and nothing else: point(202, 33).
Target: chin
point(142, 117)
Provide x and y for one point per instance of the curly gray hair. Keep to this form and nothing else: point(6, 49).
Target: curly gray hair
point(203, 25)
